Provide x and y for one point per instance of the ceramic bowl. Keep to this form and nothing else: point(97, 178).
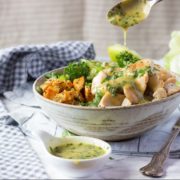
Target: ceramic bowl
point(110, 123)
point(75, 168)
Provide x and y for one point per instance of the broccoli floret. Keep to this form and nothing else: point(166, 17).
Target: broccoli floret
point(94, 68)
point(76, 70)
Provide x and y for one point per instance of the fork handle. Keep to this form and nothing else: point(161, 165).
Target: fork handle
point(160, 157)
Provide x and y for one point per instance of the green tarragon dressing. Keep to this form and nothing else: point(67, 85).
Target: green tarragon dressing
point(77, 151)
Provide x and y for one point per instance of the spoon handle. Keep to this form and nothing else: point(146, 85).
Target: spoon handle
point(155, 167)
point(153, 2)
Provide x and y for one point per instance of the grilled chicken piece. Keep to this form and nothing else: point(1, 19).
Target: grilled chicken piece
point(97, 81)
point(162, 73)
point(131, 94)
point(155, 82)
point(171, 88)
point(140, 64)
point(159, 94)
point(170, 80)
point(109, 100)
point(126, 102)
point(141, 82)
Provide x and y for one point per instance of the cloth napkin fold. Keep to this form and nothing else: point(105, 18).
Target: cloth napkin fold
point(17, 158)
point(19, 63)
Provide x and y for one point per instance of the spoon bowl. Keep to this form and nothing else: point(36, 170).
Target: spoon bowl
point(130, 12)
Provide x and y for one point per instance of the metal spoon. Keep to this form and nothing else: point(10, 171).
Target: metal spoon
point(130, 12)
point(155, 167)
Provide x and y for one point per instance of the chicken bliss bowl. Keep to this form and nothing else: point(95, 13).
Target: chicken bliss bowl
point(112, 100)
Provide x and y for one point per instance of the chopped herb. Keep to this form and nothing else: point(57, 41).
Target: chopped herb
point(126, 57)
point(117, 75)
point(114, 89)
point(141, 72)
point(51, 149)
point(78, 151)
point(67, 133)
point(111, 158)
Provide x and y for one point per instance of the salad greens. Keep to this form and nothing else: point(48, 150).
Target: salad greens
point(172, 58)
point(94, 68)
point(56, 76)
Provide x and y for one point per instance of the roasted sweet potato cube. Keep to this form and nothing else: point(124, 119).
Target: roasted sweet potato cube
point(79, 83)
point(66, 96)
point(69, 95)
point(69, 85)
point(80, 97)
point(50, 92)
point(88, 94)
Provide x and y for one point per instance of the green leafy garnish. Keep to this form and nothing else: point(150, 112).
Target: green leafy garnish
point(67, 133)
point(76, 70)
point(51, 150)
point(122, 55)
point(39, 90)
point(96, 100)
point(111, 158)
point(59, 76)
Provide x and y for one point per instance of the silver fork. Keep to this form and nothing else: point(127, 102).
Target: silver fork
point(155, 167)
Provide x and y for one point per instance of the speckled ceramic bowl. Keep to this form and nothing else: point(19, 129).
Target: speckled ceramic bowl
point(111, 123)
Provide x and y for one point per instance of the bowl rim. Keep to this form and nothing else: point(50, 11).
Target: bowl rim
point(95, 108)
point(108, 151)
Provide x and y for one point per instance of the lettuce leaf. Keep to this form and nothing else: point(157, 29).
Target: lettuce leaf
point(172, 58)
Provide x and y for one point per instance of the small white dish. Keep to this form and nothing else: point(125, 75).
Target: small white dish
point(74, 168)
